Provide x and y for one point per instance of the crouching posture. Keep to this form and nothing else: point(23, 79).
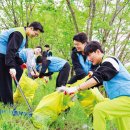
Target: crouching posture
point(27, 57)
point(55, 64)
point(116, 81)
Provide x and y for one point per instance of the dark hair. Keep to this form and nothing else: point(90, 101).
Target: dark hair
point(37, 26)
point(47, 46)
point(81, 37)
point(40, 48)
point(92, 47)
point(39, 59)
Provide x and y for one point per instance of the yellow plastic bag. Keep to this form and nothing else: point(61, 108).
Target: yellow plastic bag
point(49, 108)
point(88, 98)
point(53, 104)
point(28, 86)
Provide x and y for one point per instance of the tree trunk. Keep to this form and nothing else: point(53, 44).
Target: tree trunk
point(73, 16)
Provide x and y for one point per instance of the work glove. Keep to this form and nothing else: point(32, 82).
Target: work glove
point(90, 73)
point(66, 90)
point(23, 66)
point(12, 72)
point(46, 79)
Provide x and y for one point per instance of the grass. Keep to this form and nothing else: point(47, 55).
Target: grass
point(73, 118)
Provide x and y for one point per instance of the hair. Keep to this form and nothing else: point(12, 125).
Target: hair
point(81, 37)
point(39, 59)
point(47, 46)
point(42, 59)
point(37, 26)
point(40, 48)
point(92, 47)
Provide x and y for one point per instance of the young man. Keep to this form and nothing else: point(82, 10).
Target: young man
point(116, 81)
point(28, 56)
point(48, 53)
point(55, 64)
point(80, 62)
point(47, 50)
point(11, 42)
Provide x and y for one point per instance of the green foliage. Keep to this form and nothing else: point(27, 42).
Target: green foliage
point(128, 68)
point(59, 26)
point(72, 119)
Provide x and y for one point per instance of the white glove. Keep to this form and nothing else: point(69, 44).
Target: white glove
point(61, 89)
point(90, 73)
point(67, 90)
point(12, 72)
point(32, 73)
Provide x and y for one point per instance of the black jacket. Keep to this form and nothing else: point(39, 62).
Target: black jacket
point(77, 66)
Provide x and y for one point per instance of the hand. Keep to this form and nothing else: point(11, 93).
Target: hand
point(23, 66)
point(46, 79)
point(32, 73)
point(66, 90)
point(36, 75)
point(12, 72)
point(90, 73)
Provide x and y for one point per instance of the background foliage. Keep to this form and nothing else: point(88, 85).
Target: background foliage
point(106, 21)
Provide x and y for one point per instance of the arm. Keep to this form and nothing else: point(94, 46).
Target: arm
point(77, 66)
point(105, 72)
point(108, 69)
point(31, 62)
point(45, 65)
point(14, 42)
point(18, 60)
point(48, 74)
point(50, 53)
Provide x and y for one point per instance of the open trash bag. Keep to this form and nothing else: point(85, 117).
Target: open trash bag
point(28, 87)
point(88, 98)
point(49, 108)
point(53, 104)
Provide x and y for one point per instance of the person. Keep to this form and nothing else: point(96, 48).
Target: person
point(48, 53)
point(116, 80)
point(47, 50)
point(55, 64)
point(79, 60)
point(12, 41)
point(28, 56)
point(39, 63)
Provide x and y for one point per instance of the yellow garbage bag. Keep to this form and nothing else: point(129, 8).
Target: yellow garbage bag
point(49, 108)
point(88, 98)
point(28, 86)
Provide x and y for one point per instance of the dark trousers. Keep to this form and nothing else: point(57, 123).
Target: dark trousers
point(6, 93)
point(63, 75)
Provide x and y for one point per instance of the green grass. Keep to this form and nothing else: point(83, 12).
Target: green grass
point(74, 118)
